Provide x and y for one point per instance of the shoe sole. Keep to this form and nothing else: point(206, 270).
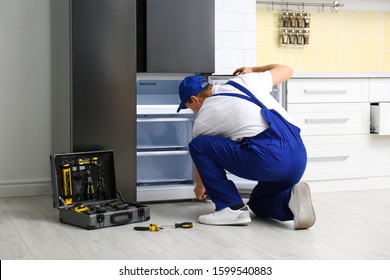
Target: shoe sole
point(221, 223)
point(306, 217)
point(240, 221)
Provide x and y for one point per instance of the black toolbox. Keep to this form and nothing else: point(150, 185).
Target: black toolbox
point(85, 192)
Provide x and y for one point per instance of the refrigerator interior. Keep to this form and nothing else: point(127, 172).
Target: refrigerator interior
point(164, 164)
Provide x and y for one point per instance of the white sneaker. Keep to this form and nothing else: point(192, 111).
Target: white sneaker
point(226, 216)
point(301, 206)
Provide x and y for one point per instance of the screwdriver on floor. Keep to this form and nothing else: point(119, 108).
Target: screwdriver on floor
point(184, 225)
point(156, 227)
point(151, 227)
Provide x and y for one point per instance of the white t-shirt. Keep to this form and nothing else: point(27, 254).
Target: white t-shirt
point(236, 118)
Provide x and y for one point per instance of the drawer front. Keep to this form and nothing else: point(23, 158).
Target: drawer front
point(327, 90)
point(164, 132)
point(157, 92)
point(379, 90)
point(161, 167)
point(379, 155)
point(336, 157)
point(331, 118)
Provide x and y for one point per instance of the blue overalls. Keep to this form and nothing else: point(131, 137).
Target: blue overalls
point(276, 158)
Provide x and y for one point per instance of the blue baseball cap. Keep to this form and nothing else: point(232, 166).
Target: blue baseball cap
point(190, 86)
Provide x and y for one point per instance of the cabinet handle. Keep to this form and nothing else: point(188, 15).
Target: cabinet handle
point(147, 83)
point(335, 158)
point(339, 120)
point(162, 153)
point(325, 91)
point(164, 120)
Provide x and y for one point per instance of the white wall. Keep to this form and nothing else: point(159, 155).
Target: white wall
point(235, 35)
point(25, 94)
point(235, 24)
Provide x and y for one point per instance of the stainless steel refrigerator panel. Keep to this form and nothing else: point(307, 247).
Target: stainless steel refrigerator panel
point(104, 83)
point(180, 36)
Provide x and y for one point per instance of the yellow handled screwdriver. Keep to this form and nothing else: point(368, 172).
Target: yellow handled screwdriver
point(184, 225)
point(152, 227)
point(156, 227)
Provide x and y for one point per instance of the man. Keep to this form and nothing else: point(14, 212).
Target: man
point(242, 129)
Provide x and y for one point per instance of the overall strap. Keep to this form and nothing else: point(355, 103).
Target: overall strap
point(247, 92)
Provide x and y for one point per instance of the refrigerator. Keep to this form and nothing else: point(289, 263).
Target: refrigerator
point(98, 49)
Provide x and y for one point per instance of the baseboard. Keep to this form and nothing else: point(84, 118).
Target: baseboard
point(25, 187)
point(372, 183)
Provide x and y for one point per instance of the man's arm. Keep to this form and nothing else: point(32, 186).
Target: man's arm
point(199, 189)
point(280, 73)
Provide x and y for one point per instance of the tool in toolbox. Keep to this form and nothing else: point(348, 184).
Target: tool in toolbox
point(156, 227)
point(67, 183)
point(90, 163)
point(81, 208)
point(90, 188)
point(101, 189)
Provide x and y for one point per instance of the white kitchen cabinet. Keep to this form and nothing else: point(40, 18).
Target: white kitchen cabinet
point(334, 117)
point(331, 118)
point(380, 90)
point(379, 144)
point(336, 157)
point(379, 148)
point(327, 90)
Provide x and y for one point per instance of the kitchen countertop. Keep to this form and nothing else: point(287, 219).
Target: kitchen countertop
point(301, 75)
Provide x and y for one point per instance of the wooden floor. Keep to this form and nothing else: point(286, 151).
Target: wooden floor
point(350, 225)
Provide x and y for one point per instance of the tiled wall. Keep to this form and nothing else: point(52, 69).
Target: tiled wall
point(235, 38)
point(347, 41)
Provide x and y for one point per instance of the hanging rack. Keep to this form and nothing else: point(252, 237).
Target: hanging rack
point(335, 5)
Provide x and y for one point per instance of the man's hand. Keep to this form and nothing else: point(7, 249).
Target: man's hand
point(200, 192)
point(280, 73)
point(243, 70)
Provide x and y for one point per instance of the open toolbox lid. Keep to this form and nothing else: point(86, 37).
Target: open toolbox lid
point(83, 177)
